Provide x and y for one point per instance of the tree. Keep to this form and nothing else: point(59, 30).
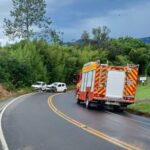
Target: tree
point(85, 37)
point(101, 35)
point(140, 56)
point(97, 34)
point(105, 34)
point(148, 69)
point(26, 16)
point(55, 36)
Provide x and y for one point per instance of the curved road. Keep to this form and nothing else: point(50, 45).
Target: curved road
point(30, 124)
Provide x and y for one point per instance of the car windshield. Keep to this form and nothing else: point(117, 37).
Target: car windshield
point(55, 84)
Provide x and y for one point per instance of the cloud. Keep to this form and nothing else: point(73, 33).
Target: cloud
point(133, 21)
point(55, 5)
point(74, 16)
point(6, 6)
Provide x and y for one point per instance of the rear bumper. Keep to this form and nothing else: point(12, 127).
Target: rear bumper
point(115, 100)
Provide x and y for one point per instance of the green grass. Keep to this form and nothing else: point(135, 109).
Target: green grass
point(25, 90)
point(141, 108)
point(143, 92)
point(71, 87)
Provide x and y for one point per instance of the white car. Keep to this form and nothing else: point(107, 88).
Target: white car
point(57, 87)
point(39, 85)
point(49, 88)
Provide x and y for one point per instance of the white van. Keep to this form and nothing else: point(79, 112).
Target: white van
point(59, 87)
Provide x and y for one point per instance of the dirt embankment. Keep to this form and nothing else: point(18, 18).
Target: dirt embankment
point(4, 93)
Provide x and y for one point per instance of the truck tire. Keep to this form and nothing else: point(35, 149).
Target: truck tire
point(78, 101)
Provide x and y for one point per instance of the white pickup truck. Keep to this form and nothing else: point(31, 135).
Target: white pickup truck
point(39, 85)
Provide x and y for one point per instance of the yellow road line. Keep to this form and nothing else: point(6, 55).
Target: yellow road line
point(89, 129)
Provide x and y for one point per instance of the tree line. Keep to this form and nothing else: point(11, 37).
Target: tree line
point(25, 62)
point(36, 57)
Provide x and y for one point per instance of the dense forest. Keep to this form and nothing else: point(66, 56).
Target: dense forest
point(25, 62)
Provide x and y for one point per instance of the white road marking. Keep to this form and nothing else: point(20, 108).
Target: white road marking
point(2, 137)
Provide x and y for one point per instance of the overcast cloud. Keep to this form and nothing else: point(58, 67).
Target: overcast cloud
point(123, 18)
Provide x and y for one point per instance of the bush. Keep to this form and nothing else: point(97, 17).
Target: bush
point(148, 70)
point(9, 86)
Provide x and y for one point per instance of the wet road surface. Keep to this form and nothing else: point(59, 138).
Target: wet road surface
point(29, 124)
point(132, 129)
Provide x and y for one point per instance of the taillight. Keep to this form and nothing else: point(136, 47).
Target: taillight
point(129, 98)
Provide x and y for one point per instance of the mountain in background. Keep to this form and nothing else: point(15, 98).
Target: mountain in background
point(82, 42)
point(145, 40)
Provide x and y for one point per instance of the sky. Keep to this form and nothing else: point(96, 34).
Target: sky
point(122, 17)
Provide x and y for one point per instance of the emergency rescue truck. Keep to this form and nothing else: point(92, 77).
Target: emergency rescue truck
point(107, 85)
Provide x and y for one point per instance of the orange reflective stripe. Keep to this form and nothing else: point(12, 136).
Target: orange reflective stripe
point(102, 91)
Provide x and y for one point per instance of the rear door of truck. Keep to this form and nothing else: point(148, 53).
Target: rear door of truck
point(115, 84)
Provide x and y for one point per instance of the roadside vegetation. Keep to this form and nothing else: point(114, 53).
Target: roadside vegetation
point(141, 108)
point(4, 93)
point(23, 63)
point(143, 91)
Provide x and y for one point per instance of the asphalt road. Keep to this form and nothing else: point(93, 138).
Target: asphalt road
point(30, 124)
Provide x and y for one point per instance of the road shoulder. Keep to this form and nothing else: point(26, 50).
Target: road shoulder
point(141, 108)
point(3, 103)
point(3, 106)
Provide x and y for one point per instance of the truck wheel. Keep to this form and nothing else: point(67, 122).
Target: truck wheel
point(78, 101)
